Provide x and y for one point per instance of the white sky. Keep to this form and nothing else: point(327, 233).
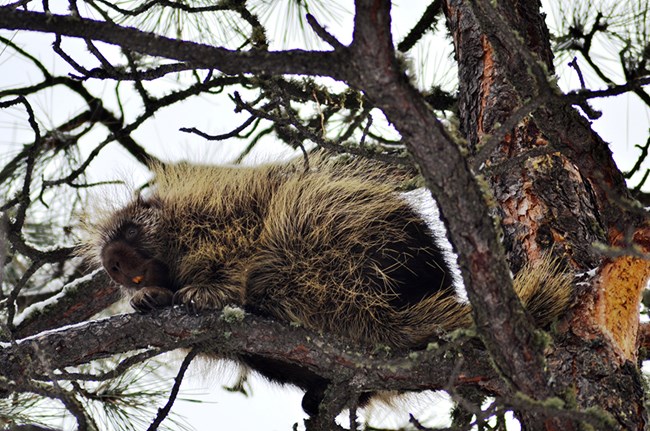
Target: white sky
point(624, 124)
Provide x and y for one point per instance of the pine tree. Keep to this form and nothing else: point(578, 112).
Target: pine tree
point(511, 157)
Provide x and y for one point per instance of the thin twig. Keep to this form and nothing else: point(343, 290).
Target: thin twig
point(323, 33)
point(163, 412)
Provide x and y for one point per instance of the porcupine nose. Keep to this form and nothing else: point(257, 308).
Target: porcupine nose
point(121, 263)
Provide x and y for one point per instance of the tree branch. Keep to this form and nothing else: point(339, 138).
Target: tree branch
point(78, 301)
point(503, 324)
point(36, 356)
point(427, 22)
point(200, 55)
point(164, 412)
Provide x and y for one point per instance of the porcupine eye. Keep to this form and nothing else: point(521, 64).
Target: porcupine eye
point(115, 268)
point(130, 232)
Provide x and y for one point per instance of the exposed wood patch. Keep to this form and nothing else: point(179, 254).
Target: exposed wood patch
point(486, 81)
point(620, 284)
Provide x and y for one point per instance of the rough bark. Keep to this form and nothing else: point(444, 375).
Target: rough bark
point(195, 54)
point(553, 179)
point(74, 304)
point(233, 333)
point(497, 310)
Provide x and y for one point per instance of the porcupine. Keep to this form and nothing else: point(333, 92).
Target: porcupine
point(334, 248)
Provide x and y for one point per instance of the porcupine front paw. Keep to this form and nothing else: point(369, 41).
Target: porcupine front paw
point(199, 298)
point(151, 298)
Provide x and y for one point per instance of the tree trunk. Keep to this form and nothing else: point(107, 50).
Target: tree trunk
point(557, 189)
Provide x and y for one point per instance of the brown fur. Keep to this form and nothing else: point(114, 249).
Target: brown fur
point(335, 249)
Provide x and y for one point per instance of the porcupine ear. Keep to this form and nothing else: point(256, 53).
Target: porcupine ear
point(149, 201)
point(544, 289)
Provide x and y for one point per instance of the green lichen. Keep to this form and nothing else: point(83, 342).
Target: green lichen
point(232, 314)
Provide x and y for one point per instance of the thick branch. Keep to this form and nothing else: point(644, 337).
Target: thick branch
point(506, 330)
point(172, 328)
point(199, 55)
point(77, 302)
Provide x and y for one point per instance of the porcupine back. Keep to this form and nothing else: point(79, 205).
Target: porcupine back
point(334, 249)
